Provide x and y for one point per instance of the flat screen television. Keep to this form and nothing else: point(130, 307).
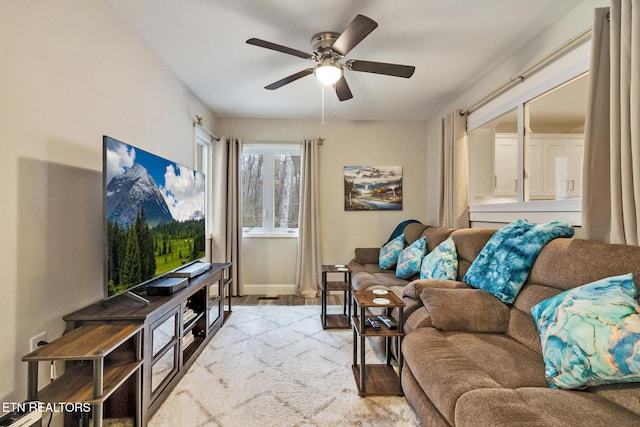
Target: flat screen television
point(154, 213)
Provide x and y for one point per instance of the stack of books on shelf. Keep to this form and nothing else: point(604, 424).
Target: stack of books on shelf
point(187, 339)
point(188, 315)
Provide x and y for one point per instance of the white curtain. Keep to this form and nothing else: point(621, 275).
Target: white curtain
point(611, 174)
point(309, 259)
point(227, 208)
point(454, 196)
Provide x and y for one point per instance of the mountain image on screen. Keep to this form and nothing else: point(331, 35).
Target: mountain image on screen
point(154, 211)
point(132, 191)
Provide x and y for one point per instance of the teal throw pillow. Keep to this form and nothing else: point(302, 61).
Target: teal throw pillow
point(410, 259)
point(389, 253)
point(441, 263)
point(590, 335)
point(504, 263)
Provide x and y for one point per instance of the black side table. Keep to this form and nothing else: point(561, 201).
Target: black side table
point(336, 321)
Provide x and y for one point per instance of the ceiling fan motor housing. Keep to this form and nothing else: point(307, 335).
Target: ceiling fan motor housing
point(322, 43)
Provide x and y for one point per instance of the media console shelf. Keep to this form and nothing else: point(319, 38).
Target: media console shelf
point(113, 360)
point(175, 330)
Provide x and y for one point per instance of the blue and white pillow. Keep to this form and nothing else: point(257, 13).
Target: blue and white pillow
point(441, 263)
point(502, 266)
point(389, 253)
point(410, 259)
point(590, 335)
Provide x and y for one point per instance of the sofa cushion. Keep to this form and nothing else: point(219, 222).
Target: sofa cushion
point(420, 318)
point(450, 364)
point(441, 263)
point(413, 232)
point(436, 235)
point(410, 259)
point(400, 229)
point(503, 265)
point(625, 395)
point(415, 287)
point(522, 327)
point(590, 334)
point(389, 253)
point(469, 310)
point(366, 279)
point(567, 263)
point(533, 406)
point(356, 267)
point(469, 243)
point(367, 255)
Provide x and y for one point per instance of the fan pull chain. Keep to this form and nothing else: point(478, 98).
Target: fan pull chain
point(334, 106)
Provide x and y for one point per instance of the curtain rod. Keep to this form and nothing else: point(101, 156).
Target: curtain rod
point(198, 122)
point(298, 141)
point(567, 46)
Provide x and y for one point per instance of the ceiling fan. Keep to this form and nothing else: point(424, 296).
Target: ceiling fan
point(329, 48)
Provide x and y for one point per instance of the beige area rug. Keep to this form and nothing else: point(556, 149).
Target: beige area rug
point(276, 366)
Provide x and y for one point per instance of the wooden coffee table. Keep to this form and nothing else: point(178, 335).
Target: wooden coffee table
point(376, 379)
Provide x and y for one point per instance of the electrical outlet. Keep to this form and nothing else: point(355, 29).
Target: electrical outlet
point(33, 341)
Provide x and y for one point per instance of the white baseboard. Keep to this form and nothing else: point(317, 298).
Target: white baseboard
point(269, 289)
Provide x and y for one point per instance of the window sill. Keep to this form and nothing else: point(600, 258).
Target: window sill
point(270, 234)
point(535, 211)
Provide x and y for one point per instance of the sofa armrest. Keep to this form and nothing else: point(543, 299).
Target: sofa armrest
point(421, 318)
point(367, 255)
point(470, 310)
point(415, 288)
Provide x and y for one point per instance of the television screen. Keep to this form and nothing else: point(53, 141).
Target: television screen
point(154, 214)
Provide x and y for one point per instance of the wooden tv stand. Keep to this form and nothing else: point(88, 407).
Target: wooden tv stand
point(175, 330)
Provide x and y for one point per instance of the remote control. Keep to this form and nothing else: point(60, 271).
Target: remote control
point(388, 321)
point(374, 323)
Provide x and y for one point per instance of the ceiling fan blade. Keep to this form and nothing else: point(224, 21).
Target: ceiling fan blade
point(355, 32)
point(342, 89)
point(395, 70)
point(279, 48)
point(289, 79)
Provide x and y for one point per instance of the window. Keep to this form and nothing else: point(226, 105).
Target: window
point(554, 142)
point(493, 160)
point(270, 189)
point(203, 163)
point(526, 147)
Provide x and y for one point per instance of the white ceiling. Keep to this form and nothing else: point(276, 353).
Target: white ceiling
point(453, 44)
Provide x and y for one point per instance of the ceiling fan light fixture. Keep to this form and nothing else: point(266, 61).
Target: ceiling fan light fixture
point(328, 73)
point(329, 48)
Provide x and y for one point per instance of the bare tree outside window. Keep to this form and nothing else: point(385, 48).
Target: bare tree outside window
point(270, 189)
point(287, 190)
point(252, 194)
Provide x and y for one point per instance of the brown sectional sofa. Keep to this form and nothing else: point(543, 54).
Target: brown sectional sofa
point(471, 360)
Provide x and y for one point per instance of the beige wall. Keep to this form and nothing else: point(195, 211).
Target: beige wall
point(346, 144)
point(71, 71)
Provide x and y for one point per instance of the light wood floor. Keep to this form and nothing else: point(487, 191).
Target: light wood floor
point(332, 299)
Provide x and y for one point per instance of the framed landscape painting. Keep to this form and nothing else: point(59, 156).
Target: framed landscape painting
point(369, 188)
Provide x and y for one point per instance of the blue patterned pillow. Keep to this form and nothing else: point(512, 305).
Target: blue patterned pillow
point(590, 335)
point(502, 266)
point(410, 259)
point(441, 263)
point(389, 253)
